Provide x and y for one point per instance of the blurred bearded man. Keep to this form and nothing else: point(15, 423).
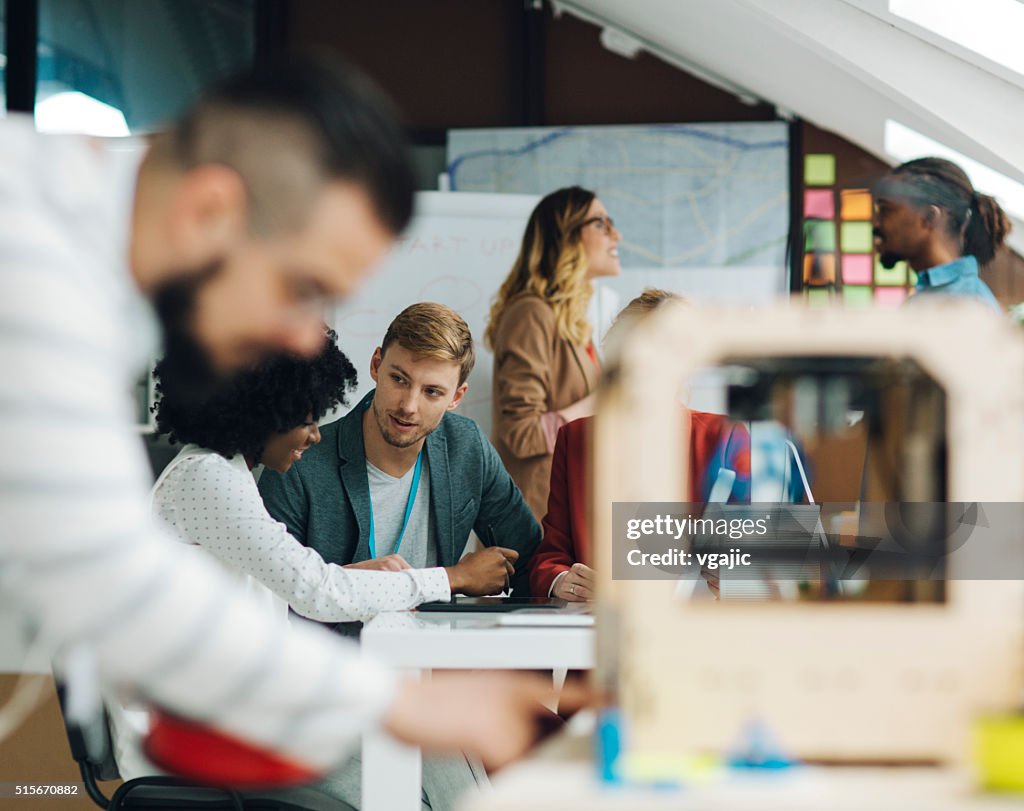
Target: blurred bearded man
point(275, 195)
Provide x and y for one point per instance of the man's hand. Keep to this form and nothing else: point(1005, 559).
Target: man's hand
point(388, 563)
point(576, 585)
point(485, 572)
point(494, 716)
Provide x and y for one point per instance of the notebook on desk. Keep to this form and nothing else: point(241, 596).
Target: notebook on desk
point(569, 615)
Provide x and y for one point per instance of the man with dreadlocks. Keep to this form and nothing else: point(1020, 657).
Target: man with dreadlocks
point(928, 214)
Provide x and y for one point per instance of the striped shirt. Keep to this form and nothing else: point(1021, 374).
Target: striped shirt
point(79, 551)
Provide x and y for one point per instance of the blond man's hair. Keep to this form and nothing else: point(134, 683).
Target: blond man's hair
point(552, 264)
point(648, 301)
point(433, 331)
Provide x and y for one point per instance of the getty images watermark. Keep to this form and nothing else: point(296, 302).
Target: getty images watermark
point(819, 542)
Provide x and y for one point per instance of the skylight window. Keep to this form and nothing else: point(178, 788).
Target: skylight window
point(905, 144)
point(992, 28)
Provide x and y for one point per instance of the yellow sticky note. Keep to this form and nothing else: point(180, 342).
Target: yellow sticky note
point(856, 237)
point(891, 276)
point(819, 169)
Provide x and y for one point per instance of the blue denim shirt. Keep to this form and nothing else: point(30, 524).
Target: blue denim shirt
point(957, 278)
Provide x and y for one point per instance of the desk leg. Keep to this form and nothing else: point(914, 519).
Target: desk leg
point(392, 774)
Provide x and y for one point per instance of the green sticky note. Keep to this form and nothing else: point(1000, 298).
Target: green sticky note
point(856, 237)
point(819, 296)
point(894, 277)
point(819, 170)
point(857, 296)
point(819, 236)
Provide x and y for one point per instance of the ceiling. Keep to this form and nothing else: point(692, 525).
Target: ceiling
point(849, 66)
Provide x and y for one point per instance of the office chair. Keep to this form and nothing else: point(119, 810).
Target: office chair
point(158, 793)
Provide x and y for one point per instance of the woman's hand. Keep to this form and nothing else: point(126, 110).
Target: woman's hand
point(576, 585)
point(581, 408)
point(388, 563)
point(711, 578)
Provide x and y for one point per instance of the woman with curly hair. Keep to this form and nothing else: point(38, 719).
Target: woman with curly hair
point(268, 416)
point(545, 364)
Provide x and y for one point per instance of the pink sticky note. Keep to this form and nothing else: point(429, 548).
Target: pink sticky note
point(889, 296)
point(857, 268)
point(819, 204)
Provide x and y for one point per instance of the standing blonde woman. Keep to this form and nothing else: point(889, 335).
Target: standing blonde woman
point(545, 364)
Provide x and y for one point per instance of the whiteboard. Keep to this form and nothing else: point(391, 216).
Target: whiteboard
point(457, 251)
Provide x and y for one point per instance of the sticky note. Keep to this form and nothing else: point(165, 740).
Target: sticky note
point(896, 276)
point(819, 204)
point(856, 268)
point(855, 204)
point(820, 236)
point(819, 296)
point(820, 268)
point(856, 237)
point(819, 169)
point(890, 296)
point(857, 296)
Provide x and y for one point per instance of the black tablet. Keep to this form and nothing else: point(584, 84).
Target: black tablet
point(486, 604)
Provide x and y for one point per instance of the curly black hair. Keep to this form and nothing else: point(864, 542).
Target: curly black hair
point(273, 397)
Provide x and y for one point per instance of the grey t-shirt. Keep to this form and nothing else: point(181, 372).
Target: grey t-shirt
point(388, 497)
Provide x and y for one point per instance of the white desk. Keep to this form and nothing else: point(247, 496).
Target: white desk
point(572, 787)
point(420, 642)
point(561, 778)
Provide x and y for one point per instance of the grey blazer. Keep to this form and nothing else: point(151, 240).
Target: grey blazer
point(324, 499)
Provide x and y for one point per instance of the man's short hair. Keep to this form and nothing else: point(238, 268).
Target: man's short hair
point(634, 312)
point(434, 331)
point(289, 127)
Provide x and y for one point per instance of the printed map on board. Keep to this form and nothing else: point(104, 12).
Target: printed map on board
point(695, 195)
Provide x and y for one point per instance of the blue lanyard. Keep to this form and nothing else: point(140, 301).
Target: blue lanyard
point(408, 508)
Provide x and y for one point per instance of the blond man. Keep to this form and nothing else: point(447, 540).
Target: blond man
point(401, 480)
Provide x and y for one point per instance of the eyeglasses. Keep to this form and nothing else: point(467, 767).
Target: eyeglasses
point(604, 224)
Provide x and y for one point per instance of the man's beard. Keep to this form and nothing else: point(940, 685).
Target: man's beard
point(889, 260)
point(184, 358)
point(385, 431)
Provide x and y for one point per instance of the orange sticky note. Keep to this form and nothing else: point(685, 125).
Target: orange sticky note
point(855, 204)
point(819, 268)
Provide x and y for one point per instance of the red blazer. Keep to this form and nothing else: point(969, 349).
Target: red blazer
point(714, 440)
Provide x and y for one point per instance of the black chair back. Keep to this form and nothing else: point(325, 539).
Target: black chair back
point(92, 748)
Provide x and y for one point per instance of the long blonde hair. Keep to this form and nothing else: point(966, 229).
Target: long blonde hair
point(552, 264)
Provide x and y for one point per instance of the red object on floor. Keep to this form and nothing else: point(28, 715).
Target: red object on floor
point(208, 756)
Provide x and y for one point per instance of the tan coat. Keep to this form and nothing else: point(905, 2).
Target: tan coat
point(535, 371)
